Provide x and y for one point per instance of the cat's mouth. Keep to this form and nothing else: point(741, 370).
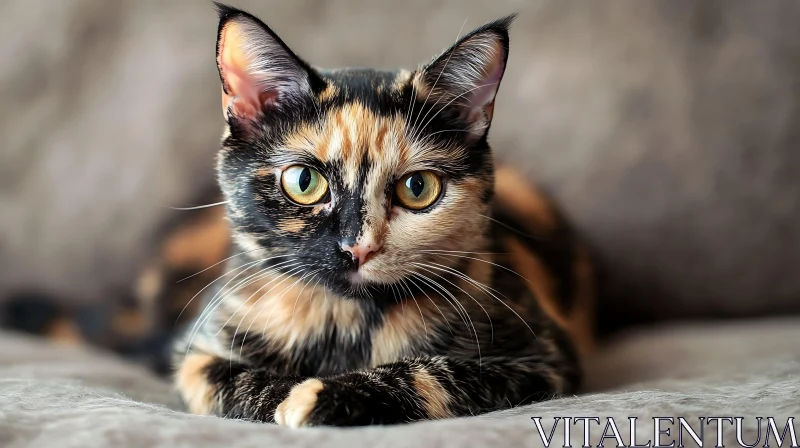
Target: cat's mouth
point(355, 284)
point(356, 277)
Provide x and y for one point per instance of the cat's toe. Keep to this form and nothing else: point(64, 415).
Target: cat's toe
point(295, 409)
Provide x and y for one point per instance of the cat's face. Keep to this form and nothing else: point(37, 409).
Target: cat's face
point(355, 177)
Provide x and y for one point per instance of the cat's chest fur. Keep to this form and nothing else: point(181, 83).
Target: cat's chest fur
point(306, 330)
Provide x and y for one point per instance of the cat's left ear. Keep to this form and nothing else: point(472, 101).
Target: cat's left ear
point(467, 75)
point(257, 70)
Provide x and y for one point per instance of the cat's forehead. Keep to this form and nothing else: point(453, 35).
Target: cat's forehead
point(373, 87)
point(363, 125)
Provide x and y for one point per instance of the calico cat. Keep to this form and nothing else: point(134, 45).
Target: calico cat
point(385, 271)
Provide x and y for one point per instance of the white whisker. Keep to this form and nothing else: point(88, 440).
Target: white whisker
point(217, 300)
point(488, 262)
point(488, 290)
point(258, 276)
point(287, 275)
point(423, 267)
point(513, 229)
point(250, 308)
point(216, 264)
point(462, 308)
point(300, 293)
point(197, 207)
point(411, 280)
point(209, 308)
point(460, 252)
point(411, 295)
point(282, 294)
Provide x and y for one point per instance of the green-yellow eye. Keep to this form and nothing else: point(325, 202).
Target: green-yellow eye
point(304, 185)
point(418, 190)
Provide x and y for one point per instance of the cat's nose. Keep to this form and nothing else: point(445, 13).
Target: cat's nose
point(362, 251)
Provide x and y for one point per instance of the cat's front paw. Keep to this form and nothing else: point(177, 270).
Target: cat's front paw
point(330, 402)
point(296, 408)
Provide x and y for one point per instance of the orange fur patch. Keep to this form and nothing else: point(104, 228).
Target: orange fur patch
point(329, 92)
point(131, 324)
point(65, 332)
point(583, 313)
point(403, 325)
point(288, 311)
point(540, 281)
point(514, 192)
point(292, 225)
point(433, 394)
point(294, 410)
point(203, 242)
point(191, 381)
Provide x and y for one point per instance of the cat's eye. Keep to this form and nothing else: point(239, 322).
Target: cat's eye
point(304, 185)
point(418, 190)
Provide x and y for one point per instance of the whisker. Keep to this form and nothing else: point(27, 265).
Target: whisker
point(487, 290)
point(491, 325)
point(411, 280)
point(410, 111)
point(220, 297)
point(460, 310)
point(489, 262)
point(282, 294)
point(211, 283)
point(259, 275)
point(319, 112)
point(287, 275)
point(222, 294)
point(427, 136)
point(398, 297)
point(197, 207)
point(198, 322)
point(238, 325)
point(411, 295)
point(235, 332)
point(249, 309)
point(294, 307)
point(514, 229)
point(461, 252)
point(456, 302)
point(217, 263)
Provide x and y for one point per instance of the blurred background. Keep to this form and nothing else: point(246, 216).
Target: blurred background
point(667, 131)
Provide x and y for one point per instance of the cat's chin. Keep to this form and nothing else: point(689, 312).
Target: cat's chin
point(353, 285)
point(356, 278)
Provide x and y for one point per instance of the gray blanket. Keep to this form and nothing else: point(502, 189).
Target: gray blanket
point(58, 396)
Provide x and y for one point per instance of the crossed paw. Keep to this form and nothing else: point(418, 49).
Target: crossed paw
point(327, 402)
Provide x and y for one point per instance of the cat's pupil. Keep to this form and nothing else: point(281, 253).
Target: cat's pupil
point(304, 180)
point(416, 184)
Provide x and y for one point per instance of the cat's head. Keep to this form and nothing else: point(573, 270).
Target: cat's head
point(356, 176)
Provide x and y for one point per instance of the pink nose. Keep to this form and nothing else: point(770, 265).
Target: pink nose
point(362, 251)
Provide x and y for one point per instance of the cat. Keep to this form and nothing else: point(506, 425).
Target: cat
point(385, 270)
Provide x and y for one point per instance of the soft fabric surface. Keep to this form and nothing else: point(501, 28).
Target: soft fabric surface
point(54, 396)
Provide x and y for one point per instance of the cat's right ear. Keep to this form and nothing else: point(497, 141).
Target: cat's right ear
point(257, 70)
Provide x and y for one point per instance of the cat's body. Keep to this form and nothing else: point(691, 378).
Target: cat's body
point(386, 272)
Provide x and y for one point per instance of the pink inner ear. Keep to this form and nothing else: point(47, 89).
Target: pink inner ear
point(483, 96)
point(244, 92)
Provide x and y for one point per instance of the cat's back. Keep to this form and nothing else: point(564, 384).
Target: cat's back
point(533, 239)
